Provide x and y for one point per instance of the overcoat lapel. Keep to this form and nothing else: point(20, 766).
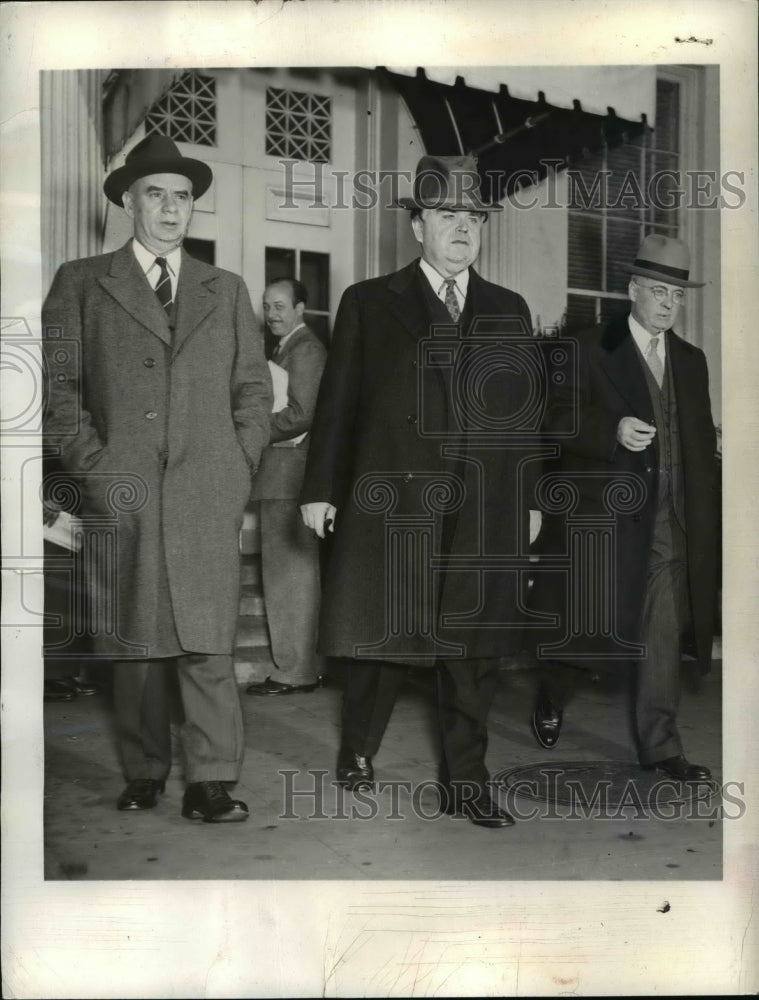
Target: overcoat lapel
point(196, 298)
point(407, 301)
point(620, 360)
point(127, 283)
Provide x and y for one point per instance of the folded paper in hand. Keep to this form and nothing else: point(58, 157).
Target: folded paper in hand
point(65, 531)
point(279, 379)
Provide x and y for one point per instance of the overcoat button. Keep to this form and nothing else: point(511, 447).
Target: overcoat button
point(148, 362)
point(649, 469)
point(151, 415)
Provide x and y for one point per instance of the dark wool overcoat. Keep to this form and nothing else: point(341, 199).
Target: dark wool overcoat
point(423, 446)
point(584, 413)
point(179, 417)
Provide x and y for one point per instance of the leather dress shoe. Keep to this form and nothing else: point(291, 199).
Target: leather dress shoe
point(354, 770)
point(58, 690)
point(681, 769)
point(82, 687)
point(209, 801)
point(546, 723)
point(140, 793)
point(269, 687)
point(481, 810)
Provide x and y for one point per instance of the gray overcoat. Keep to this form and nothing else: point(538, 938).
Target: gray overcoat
point(162, 428)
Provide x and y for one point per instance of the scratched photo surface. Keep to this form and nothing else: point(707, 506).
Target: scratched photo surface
point(526, 506)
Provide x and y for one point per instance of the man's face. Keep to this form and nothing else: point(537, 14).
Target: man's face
point(450, 239)
point(281, 315)
point(655, 304)
point(160, 206)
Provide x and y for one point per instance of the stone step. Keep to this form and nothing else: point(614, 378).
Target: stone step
point(250, 571)
point(252, 604)
point(252, 631)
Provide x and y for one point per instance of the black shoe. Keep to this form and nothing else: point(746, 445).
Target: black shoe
point(82, 687)
point(269, 687)
point(209, 801)
point(58, 690)
point(481, 809)
point(140, 793)
point(354, 770)
point(546, 723)
point(681, 769)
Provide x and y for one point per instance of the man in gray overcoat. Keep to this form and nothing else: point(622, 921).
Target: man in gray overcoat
point(419, 463)
point(159, 401)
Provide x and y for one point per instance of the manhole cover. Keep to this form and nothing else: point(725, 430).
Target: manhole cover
point(596, 786)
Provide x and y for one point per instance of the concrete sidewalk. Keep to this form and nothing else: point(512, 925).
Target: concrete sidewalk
point(321, 833)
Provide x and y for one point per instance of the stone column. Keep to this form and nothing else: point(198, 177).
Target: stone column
point(72, 167)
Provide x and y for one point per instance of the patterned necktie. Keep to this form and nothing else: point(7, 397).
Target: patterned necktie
point(451, 302)
point(654, 361)
point(163, 288)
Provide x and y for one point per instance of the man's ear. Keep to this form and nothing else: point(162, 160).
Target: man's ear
point(128, 203)
point(418, 226)
point(632, 290)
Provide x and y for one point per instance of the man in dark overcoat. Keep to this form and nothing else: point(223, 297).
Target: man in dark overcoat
point(159, 405)
point(638, 456)
point(414, 468)
point(289, 551)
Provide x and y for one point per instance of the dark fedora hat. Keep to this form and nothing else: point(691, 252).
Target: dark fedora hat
point(156, 154)
point(447, 182)
point(665, 258)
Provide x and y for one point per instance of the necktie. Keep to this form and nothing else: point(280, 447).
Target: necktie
point(654, 361)
point(451, 302)
point(163, 288)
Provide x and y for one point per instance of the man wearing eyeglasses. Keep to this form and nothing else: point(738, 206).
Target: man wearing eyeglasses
point(638, 447)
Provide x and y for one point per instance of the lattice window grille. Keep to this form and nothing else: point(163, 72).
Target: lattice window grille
point(298, 126)
point(186, 112)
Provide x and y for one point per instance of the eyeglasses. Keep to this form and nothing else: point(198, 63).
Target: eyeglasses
point(660, 293)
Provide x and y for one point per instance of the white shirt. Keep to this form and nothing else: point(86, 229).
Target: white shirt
point(437, 281)
point(146, 260)
point(642, 338)
point(281, 343)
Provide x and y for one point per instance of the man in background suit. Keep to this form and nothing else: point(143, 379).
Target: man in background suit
point(289, 551)
point(641, 399)
point(159, 407)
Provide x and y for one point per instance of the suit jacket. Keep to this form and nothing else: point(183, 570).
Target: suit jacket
point(585, 411)
point(163, 429)
point(392, 448)
point(283, 464)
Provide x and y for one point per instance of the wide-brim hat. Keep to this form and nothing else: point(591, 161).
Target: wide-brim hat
point(665, 258)
point(447, 182)
point(156, 154)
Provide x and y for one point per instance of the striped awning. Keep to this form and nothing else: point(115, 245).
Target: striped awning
point(517, 139)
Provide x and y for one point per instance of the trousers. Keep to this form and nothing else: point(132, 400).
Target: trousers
point(465, 691)
point(664, 619)
point(212, 731)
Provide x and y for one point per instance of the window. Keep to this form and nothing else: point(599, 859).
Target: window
point(313, 270)
point(186, 112)
point(298, 126)
point(204, 250)
point(615, 199)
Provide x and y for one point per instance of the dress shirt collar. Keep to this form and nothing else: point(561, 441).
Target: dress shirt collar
point(146, 260)
point(281, 343)
point(642, 338)
point(437, 281)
